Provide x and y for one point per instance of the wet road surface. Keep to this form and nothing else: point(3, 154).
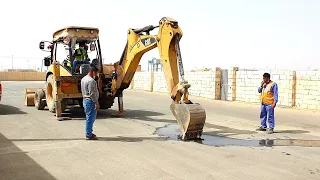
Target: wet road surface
point(172, 132)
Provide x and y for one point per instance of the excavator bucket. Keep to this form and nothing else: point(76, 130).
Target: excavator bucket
point(191, 118)
point(29, 96)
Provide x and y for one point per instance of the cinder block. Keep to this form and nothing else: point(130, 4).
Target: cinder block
point(311, 73)
point(304, 106)
point(275, 77)
point(311, 106)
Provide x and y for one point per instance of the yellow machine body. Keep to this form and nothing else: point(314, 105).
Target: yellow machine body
point(62, 85)
point(190, 116)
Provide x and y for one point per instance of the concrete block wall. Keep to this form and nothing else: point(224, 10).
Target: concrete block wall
point(307, 89)
point(296, 88)
point(217, 84)
point(285, 81)
point(248, 81)
point(22, 76)
point(246, 86)
point(142, 81)
point(160, 83)
point(203, 84)
point(232, 83)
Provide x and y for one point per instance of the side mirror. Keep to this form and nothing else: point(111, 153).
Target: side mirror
point(41, 45)
point(47, 61)
point(92, 47)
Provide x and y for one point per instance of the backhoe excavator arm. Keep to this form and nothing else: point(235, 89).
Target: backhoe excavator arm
point(191, 117)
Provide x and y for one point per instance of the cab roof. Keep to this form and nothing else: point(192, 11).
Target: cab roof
point(78, 32)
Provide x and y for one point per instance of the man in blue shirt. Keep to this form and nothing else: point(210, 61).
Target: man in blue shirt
point(269, 100)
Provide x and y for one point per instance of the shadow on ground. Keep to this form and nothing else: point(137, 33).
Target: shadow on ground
point(117, 138)
point(227, 131)
point(10, 110)
point(77, 113)
point(144, 115)
point(15, 164)
point(291, 131)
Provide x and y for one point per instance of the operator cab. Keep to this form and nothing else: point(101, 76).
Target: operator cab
point(82, 56)
point(75, 48)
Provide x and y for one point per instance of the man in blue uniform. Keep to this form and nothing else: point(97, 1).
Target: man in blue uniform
point(269, 100)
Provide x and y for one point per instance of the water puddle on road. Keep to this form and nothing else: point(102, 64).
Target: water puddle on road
point(172, 132)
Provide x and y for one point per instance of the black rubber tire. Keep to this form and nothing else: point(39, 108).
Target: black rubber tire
point(51, 98)
point(106, 102)
point(39, 103)
point(80, 103)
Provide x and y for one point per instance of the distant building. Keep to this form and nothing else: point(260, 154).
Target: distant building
point(155, 65)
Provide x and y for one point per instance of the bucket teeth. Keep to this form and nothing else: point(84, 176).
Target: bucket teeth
point(191, 118)
point(192, 135)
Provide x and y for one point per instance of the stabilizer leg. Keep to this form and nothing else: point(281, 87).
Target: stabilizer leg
point(58, 110)
point(120, 106)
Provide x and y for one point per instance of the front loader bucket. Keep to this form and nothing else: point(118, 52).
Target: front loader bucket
point(29, 96)
point(191, 118)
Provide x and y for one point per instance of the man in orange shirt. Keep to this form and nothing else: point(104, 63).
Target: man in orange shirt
point(269, 100)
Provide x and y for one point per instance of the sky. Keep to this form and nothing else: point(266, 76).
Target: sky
point(245, 33)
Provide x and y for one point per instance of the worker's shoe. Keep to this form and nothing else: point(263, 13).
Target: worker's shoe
point(261, 129)
point(270, 131)
point(92, 137)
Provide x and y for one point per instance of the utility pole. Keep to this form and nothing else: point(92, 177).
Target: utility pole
point(41, 65)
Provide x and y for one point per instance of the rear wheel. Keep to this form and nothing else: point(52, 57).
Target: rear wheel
point(51, 96)
point(80, 103)
point(39, 101)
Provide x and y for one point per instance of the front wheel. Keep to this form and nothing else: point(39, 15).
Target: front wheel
point(51, 96)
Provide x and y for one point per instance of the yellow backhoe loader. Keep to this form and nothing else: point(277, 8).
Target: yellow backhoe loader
point(62, 84)
point(63, 81)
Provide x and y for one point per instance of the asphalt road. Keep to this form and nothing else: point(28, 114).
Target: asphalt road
point(33, 145)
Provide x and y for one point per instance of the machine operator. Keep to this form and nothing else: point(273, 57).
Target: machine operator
point(80, 55)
